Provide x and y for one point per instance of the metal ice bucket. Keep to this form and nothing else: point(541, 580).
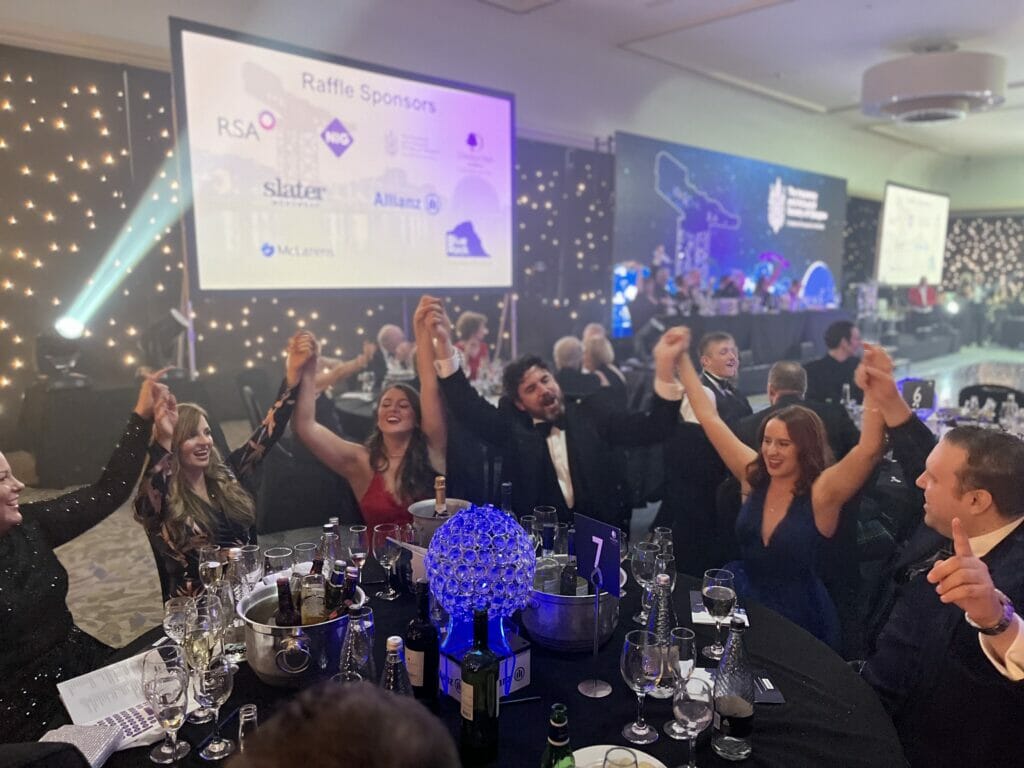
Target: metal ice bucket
point(566, 623)
point(289, 657)
point(425, 522)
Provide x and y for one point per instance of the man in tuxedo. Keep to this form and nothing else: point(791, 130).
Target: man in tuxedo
point(948, 662)
point(556, 451)
point(838, 564)
point(826, 376)
point(568, 354)
point(720, 364)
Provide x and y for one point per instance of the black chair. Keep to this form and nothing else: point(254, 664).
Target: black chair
point(252, 406)
point(997, 392)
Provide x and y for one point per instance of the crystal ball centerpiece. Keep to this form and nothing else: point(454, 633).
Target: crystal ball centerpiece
point(480, 557)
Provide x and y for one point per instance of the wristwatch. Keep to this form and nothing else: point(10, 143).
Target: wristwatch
point(1004, 621)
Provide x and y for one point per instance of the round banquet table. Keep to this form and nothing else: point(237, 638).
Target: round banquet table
point(831, 716)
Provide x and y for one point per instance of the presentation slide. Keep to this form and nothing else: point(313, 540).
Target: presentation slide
point(912, 236)
point(307, 171)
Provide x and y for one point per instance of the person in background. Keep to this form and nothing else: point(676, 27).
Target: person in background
point(793, 495)
point(791, 300)
point(827, 375)
point(404, 452)
point(948, 662)
point(593, 329)
point(720, 366)
point(922, 297)
point(568, 356)
point(334, 370)
point(40, 645)
point(472, 329)
point(599, 358)
point(394, 357)
point(343, 726)
point(728, 288)
point(190, 496)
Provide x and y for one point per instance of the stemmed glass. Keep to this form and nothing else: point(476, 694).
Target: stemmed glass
point(276, 560)
point(201, 634)
point(682, 652)
point(640, 665)
point(305, 553)
point(210, 565)
point(662, 536)
point(386, 550)
point(177, 611)
point(692, 708)
point(719, 595)
point(528, 522)
point(213, 687)
point(642, 564)
point(251, 565)
point(165, 688)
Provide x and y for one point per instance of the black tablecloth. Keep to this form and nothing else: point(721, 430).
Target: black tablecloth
point(831, 717)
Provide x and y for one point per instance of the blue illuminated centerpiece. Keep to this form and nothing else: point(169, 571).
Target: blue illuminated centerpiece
point(480, 557)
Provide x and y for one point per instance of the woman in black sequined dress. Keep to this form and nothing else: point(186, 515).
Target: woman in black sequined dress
point(39, 642)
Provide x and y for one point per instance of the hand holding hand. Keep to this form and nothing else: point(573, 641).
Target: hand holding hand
point(671, 348)
point(150, 392)
point(964, 580)
point(165, 419)
point(301, 348)
point(432, 321)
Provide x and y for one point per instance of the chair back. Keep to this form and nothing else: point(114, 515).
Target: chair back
point(252, 407)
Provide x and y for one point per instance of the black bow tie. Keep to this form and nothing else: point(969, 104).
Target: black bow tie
point(543, 428)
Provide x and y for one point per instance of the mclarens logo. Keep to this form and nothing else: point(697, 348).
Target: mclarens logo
point(294, 193)
point(244, 128)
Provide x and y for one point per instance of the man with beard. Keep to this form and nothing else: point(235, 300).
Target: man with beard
point(556, 451)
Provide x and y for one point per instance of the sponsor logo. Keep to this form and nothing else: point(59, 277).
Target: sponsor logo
point(336, 137)
point(293, 193)
point(267, 250)
point(474, 142)
point(430, 204)
point(792, 207)
point(246, 128)
point(463, 241)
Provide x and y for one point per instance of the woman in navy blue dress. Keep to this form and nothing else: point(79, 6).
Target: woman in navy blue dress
point(792, 497)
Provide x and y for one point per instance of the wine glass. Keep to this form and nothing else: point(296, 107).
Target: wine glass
point(662, 536)
point(544, 517)
point(211, 568)
point(358, 547)
point(642, 565)
point(692, 709)
point(386, 550)
point(250, 565)
point(201, 634)
point(165, 688)
point(719, 595)
point(528, 522)
point(619, 757)
point(276, 560)
point(640, 665)
point(304, 553)
point(176, 612)
point(682, 652)
point(247, 723)
point(213, 687)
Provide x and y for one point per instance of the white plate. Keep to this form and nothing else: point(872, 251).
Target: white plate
point(593, 757)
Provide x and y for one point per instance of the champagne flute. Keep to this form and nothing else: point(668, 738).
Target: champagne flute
point(719, 595)
point(642, 565)
point(386, 551)
point(210, 565)
point(682, 652)
point(358, 547)
point(165, 688)
point(640, 665)
point(177, 610)
point(200, 639)
point(213, 688)
point(692, 709)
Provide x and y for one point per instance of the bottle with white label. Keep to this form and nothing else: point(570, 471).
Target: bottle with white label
point(422, 649)
point(478, 743)
point(395, 677)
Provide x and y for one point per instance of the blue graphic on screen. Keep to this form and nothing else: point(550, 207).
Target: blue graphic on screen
point(464, 241)
point(716, 214)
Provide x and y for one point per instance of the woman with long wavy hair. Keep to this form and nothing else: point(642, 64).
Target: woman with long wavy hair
point(191, 497)
point(792, 498)
point(403, 453)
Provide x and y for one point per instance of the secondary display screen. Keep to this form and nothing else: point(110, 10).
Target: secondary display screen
point(912, 236)
point(307, 171)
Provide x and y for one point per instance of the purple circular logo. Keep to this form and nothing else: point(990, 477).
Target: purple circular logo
point(267, 120)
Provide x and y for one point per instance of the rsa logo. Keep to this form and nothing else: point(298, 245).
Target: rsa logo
point(242, 128)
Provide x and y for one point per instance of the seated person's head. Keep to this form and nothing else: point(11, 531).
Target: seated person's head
point(597, 351)
point(389, 337)
point(10, 488)
point(530, 385)
point(844, 337)
point(718, 354)
point(593, 329)
point(471, 325)
point(787, 377)
point(791, 445)
point(974, 474)
point(568, 353)
point(357, 725)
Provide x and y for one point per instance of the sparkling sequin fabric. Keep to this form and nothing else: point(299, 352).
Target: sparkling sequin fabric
point(39, 644)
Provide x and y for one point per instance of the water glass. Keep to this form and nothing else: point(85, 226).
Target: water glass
point(529, 523)
point(276, 560)
point(642, 564)
point(662, 536)
point(619, 757)
point(561, 538)
point(212, 688)
point(640, 665)
point(247, 722)
point(177, 610)
point(546, 517)
point(304, 553)
point(682, 652)
point(692, 710)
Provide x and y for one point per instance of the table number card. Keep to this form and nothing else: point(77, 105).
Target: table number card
point(597, 546)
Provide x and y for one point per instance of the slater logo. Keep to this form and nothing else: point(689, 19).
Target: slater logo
point(245, 128)
point(336, 137)
point(293, 193)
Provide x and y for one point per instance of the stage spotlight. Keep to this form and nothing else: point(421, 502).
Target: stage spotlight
point(55, 360)
point(952, 307)
point(158, 342)
point(69, 327)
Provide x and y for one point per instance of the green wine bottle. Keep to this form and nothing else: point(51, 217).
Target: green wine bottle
point(478, 744)
point(558, 753)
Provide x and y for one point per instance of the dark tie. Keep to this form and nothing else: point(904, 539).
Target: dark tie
point(543, 428)
point(925, 564)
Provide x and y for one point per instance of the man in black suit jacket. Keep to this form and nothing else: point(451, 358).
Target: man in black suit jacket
point(826, 376)
point(838, 563)
point(568, 354)
point(555, 451)
point(948, 662)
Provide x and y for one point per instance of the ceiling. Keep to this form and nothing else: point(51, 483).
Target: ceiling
point(810, 54)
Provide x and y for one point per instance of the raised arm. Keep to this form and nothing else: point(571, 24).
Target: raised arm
point(434, 421)
point(838, 483)
point(348, 459)
point(733, 451)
